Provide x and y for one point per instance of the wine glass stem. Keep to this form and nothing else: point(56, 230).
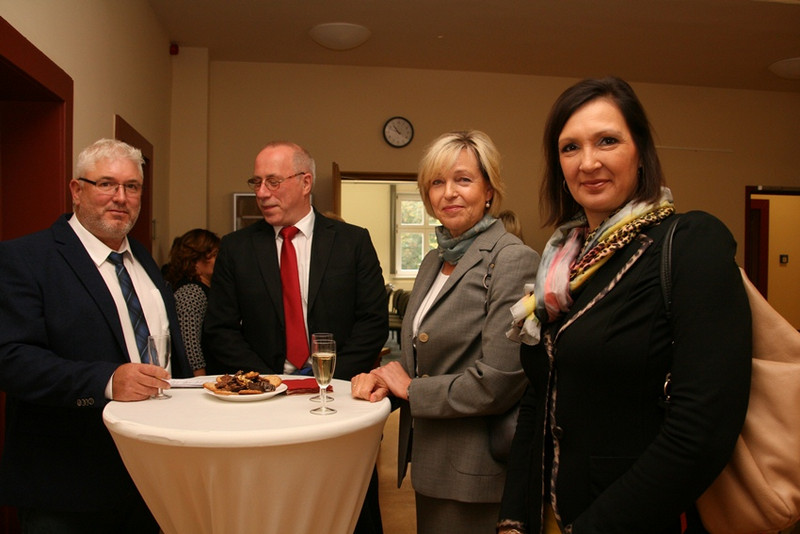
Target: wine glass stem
point(322, 396)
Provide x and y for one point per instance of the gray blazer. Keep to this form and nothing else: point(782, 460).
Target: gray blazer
point(464, 369)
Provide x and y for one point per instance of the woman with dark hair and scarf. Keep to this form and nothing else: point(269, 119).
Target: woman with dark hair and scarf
point(458, 371)
point(601, 447)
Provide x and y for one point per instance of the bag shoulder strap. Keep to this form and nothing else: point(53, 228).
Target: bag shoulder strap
point(666, 267)
point(502, 243)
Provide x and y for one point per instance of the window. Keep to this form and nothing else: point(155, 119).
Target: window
point(414, 233)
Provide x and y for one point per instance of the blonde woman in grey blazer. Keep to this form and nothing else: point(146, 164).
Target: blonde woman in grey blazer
point(459, 372)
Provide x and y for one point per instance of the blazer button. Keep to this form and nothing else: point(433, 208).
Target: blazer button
point(423, 337)
point(558, 432)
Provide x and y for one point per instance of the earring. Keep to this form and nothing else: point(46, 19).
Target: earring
point(488, 204)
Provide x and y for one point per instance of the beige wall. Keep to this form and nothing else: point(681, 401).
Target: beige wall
point(188, 176)
point(713, 142)
point(118, 57)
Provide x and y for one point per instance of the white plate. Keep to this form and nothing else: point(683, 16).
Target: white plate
point(248, 398)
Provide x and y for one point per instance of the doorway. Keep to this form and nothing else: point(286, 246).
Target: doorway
point(35, 152)
point(771, 248)
point(365, 198)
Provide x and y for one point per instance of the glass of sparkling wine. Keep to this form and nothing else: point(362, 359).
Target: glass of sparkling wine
point(320, 336)
point(158, 349)
point(323, 363)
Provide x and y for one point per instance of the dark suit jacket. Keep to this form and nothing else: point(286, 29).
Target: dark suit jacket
point(60, 342)
point(244, 325)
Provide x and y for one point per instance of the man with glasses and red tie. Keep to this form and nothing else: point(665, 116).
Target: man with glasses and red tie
point(77, 302)
point(294, 273)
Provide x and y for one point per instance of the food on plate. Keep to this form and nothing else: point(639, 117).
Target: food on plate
point(241, 383)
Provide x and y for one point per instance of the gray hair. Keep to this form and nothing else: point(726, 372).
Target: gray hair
point(302, 160)
point(107, 149)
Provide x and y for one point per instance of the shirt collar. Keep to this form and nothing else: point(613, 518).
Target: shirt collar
point(305, 225)
point(97, 250)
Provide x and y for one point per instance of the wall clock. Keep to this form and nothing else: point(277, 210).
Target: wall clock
point(398, 132)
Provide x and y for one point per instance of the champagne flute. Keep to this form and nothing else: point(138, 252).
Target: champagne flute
point(320, 336)
point(158, 349)
point(323, 362)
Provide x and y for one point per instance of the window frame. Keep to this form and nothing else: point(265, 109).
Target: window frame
point(427, 228)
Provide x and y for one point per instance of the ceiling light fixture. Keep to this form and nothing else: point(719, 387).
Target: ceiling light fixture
point(787, 68)
point(339, 35)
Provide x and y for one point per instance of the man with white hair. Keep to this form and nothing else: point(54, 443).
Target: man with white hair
point(77, 302)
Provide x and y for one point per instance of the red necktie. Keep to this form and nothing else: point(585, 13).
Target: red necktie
point(296, 339)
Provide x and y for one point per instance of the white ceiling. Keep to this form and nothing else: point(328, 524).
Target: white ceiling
point(715, 43)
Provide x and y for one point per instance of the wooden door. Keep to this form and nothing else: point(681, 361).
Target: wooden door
point(336, 180)
point(35, 155)
point(143, 230)
point(756, 243)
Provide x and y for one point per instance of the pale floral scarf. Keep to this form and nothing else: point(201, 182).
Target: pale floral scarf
point(572, 256)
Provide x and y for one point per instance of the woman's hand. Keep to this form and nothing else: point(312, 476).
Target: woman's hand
point(368, 386)
point(395, 378)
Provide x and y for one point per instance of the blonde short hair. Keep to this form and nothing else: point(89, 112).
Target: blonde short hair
point(441, 155)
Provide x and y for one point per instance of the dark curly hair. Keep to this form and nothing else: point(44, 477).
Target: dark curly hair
point(187, 250)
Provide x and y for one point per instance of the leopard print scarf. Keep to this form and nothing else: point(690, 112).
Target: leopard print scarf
point(573, 255)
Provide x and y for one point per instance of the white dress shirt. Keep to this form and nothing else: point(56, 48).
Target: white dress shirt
point(155, 312)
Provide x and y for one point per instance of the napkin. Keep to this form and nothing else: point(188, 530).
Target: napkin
point(302, 385)
point(193, 382)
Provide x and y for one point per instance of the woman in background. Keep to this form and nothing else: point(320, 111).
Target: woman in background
point(458, 371)
point(511, 222)
point(602, 445)
point(191, 264)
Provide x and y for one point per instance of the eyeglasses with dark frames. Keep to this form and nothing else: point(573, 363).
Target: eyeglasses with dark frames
point(272, 184)
point(109, 188)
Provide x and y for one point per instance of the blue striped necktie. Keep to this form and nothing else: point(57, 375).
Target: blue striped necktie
point(135, 312)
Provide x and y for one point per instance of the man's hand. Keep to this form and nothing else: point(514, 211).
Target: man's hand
point(137, 381)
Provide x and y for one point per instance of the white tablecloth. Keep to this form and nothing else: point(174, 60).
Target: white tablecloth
point(205, 465)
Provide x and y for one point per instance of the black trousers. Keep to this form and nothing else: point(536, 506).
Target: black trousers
point(369, 521)
point(134, 518)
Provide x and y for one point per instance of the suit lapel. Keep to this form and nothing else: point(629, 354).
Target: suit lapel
point(431, 266)
point(266, 252)
point(74, 253)
point(428, 270)
point(484, 243)
point(321, 248)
